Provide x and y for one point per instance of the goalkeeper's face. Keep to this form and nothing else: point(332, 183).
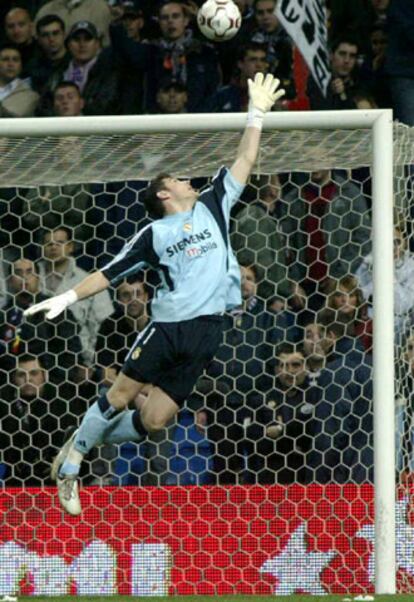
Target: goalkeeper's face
point(180, 191)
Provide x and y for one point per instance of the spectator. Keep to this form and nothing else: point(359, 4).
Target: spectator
point(118, 332)
point(380, 10)
point(172, 98)
point(342, 429)
point(48, 69)
point(404, 406)
point(270, 33)
point(53, 206)
point(400, 59)
point(314, 348)
point(328, 227)
point(132, 19)
point(55, 341)
point(342, 86)
point(249, 334)
point(348, 306)
point(372, 71)
point(94, 11)
point(17, 99)
point(59, 272)
point(234, 97)
point(287, 417)
point(183, 57)
point(92, 70)
point(257, 238)
point(30, 412)
point(67, 100)
point(19, 30)
point(176, 54)
point(403, 282)
point(229, 51)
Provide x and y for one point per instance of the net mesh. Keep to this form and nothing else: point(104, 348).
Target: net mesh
point(276, 440)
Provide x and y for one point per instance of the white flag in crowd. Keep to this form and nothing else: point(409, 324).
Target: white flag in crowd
point(305, 22)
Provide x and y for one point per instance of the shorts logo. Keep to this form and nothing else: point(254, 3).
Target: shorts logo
point(187, 227)
point(136, 353)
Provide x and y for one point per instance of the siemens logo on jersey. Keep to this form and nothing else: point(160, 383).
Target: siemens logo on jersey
point(191, 240)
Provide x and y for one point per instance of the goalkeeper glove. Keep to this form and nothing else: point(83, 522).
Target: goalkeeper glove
point(53, 306)
point(263, 93)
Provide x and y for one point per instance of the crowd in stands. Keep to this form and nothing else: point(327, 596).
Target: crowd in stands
point(288, 399)
point(105, 57)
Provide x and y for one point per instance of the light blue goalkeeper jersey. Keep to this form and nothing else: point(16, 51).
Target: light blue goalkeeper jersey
point(192, 254)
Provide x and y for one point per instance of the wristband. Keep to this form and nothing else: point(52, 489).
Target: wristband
point(255, 118)
point(71, 296)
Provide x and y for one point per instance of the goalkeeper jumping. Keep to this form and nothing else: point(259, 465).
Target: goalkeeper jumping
point(188, 244)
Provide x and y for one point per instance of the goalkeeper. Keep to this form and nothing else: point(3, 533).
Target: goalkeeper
point(188, 243)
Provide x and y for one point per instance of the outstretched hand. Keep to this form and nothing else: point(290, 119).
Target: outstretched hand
point(54, 306)
point(264, 92)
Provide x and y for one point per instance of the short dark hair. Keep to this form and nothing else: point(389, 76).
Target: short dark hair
point(344, 39)
point(153, 204)
point(181, 3)
point(29, 357)
point(254, 46)
point(256, 2)
point(67, 84)
point(48, 20)
point(252, 267)
point(10, 46)
point(65, 229)
point(286, 348)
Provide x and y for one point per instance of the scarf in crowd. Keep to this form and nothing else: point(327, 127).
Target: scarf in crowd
point(78, 74)
point(175, 56)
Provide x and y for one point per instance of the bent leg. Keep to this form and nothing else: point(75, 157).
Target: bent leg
point(158, 409)
point(98, 419)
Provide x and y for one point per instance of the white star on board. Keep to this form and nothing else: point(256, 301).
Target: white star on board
point(404, 539)
point(295, 568)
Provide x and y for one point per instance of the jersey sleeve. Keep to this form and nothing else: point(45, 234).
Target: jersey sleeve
point(228, 190)
point(222, 194)
point(136, 254)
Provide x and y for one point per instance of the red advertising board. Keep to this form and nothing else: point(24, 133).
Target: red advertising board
point(194, 540)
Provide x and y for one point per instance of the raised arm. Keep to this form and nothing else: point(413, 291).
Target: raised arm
point(263, 93)
point(91, 285)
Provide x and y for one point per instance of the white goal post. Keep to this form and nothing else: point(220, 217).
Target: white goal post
point(379, 125)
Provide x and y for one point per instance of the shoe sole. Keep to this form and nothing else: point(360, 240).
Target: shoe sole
point(67, 505)
point(61, 457)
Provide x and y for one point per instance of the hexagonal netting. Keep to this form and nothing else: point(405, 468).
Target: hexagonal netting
point(264, 481)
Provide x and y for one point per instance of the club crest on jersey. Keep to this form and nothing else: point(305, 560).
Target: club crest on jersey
point(136, 353)
point(187, 227)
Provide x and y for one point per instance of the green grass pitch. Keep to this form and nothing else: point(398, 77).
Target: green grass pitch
point(296, 598)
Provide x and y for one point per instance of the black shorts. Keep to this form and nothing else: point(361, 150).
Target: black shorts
point(173, 355)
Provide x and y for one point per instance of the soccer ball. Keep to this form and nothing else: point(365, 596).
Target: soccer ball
point(219, 20)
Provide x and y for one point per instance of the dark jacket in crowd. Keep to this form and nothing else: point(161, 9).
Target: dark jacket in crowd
point(400, 51)
point(331, 102)
point(343, 436)
point(31, 433)
point(115, 338)
point(191, 62)
point(249, 337)
point(101, 92)
point(55, 341)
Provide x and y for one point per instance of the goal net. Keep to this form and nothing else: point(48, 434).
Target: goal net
point(265, 481)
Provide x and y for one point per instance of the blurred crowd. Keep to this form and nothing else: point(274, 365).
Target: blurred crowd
point(106, 57)
point(288, 398)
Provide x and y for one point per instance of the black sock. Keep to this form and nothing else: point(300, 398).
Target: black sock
point(137, 422)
